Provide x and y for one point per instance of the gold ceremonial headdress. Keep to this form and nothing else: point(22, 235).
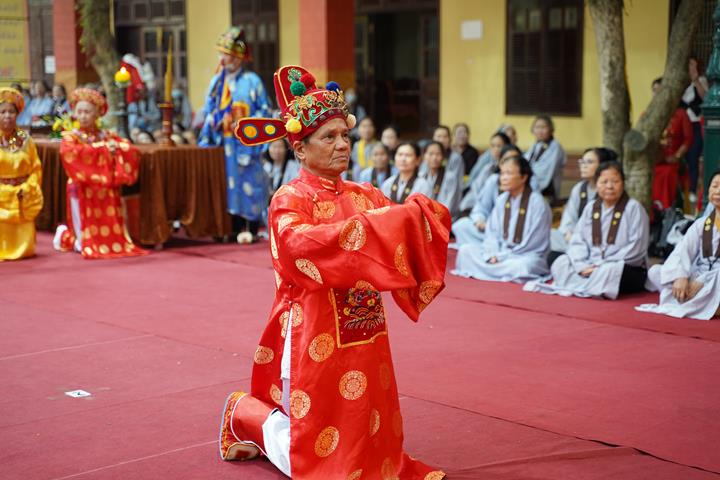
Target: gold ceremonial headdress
point(10, 95)
point(91, 96)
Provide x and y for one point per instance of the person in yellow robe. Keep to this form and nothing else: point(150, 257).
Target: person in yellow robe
point(21, 195)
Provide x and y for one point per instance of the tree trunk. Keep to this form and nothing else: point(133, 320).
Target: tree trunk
point(607, 17)
point(641, 144)
point(98, 43)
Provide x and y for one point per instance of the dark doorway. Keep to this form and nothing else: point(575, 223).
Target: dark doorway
point(397, 68)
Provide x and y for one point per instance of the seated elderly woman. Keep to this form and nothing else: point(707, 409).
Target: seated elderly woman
point(517, 236)
point(607, 254)
point(689, 280)
point(581, 194)
point(398, 187)
point(445, 186)
point(472, 228)
point(381, 169)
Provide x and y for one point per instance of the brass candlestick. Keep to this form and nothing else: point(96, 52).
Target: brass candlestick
point(167, 109)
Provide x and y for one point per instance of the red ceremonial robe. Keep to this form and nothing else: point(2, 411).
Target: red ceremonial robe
point(95, 174)
point(334, 247)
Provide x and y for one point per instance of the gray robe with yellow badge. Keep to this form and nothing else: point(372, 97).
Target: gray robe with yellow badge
point(687, 261)
point(630, 248)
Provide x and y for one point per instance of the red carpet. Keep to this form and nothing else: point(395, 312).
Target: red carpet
point(496, 383)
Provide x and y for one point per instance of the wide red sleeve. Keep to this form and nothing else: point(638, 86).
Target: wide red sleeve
point(97, 163)
point(398, 248)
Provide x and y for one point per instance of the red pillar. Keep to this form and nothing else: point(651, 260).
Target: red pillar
point(327, 40)
point(71, 66)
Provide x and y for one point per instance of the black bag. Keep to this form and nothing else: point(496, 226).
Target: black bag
point(662, 224)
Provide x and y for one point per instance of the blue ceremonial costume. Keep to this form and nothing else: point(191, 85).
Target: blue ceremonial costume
point(238, 94)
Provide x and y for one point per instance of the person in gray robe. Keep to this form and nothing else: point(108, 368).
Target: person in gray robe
point(485, 166)
point(408, 180)
point(444, 183)
point(517, 235)
point(546, 157)
point(381, 169)
point(607, 254)
point(689, 280)
point(453, 160)
point(471, 228)
point(280, 165)
point(581, 194)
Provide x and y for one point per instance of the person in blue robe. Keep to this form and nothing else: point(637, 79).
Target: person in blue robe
point(236, 92)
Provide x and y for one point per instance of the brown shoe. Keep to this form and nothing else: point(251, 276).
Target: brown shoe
point(241, 436)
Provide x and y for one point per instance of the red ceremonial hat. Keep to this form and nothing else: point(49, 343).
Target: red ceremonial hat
point(304, 108)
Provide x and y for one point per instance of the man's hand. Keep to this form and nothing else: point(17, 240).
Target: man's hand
point(680, 289)
point(568, 236)
point(480, 225)
point(492, 260)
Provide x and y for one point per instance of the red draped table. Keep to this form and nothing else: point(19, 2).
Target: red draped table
point(183, 183)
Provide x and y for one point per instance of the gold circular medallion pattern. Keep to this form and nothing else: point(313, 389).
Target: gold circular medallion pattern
point(363, 285)
point(353, 384)
point(352, 236)
point(384, 376)
point(93, 230)
point(263, 355)
point(378, 211)
point(388, 470)
point(301, 228)
point(110, 211)
point(397, 423)
point(428, 231)
point(355, 475)
point(275, 394)
point(321, 347)
point(374, 421)
point(286, 220)
point(436, 475)
point(327, 441)
point(273, 245)
point(116, 229)
point(323, 210)
point(401, 261)
point(361, 202)
point(308, 268)
point(104, 249)
point(299, 403)
point(116, 247)
point(428, 290)
point(104, 230)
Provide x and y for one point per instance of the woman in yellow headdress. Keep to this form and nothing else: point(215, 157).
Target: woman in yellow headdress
point(20, 181)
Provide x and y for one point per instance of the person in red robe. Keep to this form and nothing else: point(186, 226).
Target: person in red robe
point(675, 142)
point(323, 401)
point(97, 163)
